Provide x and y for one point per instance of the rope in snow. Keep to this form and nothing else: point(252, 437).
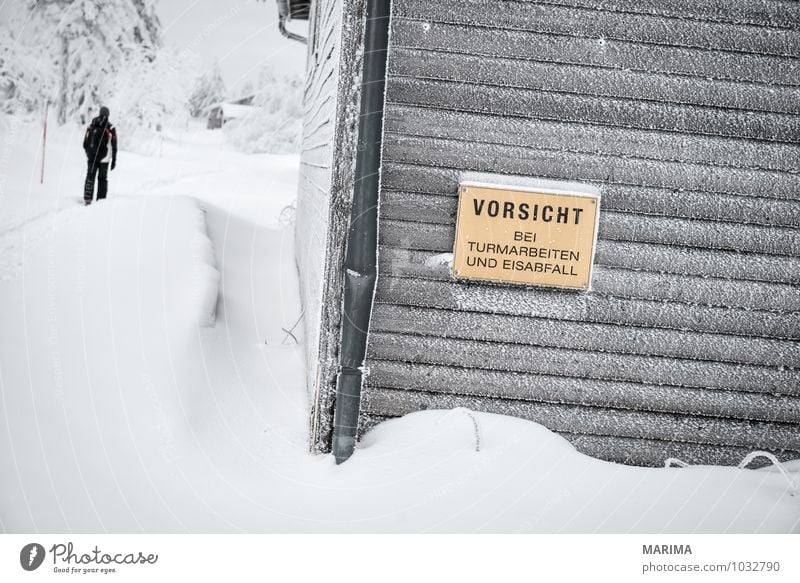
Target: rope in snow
point(475, 425)
point(765, 454)
point(291, 330)
point(793, 486)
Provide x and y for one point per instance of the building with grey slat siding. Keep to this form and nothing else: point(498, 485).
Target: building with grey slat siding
point(326, 181)
point(686, 116)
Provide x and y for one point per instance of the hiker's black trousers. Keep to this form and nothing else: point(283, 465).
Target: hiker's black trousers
point(100, 170)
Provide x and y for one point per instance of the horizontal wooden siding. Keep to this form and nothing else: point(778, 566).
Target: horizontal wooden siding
point(687, 116)
point(325, 192)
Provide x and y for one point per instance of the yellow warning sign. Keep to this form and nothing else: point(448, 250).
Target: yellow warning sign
point(516, 235)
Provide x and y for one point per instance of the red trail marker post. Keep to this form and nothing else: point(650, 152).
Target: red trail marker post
point(44, 140)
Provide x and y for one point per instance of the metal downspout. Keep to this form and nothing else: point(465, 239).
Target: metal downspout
point(362, 240)
point(288, 34)
point(283, 17)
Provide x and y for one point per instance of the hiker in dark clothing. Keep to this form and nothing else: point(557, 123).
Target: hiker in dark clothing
point(100, 145)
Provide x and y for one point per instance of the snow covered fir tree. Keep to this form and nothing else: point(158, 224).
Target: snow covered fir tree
point(209, 89)
point(87, 42)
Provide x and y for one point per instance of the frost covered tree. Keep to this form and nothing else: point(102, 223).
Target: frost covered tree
point(280, 94)
point(248, 89)
point(26, 80)
point(275, 123)
point(152, 93)
point(88, 43)
point(209, 89)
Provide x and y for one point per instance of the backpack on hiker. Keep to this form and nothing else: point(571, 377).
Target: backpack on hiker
point(96, 141)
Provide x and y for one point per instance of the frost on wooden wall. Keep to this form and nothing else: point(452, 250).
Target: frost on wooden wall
point(685, 115)
point(331, 106)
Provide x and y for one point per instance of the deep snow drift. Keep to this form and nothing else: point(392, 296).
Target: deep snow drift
point(123, 409)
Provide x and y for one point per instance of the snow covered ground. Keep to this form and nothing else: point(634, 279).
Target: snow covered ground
point(147, 384)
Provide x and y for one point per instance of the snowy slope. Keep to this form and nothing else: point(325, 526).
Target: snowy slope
point(121, 410)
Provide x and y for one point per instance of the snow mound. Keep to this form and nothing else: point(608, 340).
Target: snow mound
point(98, 317)
point(162, 245)
point(524, 478)
point(206, 277)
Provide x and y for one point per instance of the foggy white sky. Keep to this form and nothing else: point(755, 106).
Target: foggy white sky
point(241, 34)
